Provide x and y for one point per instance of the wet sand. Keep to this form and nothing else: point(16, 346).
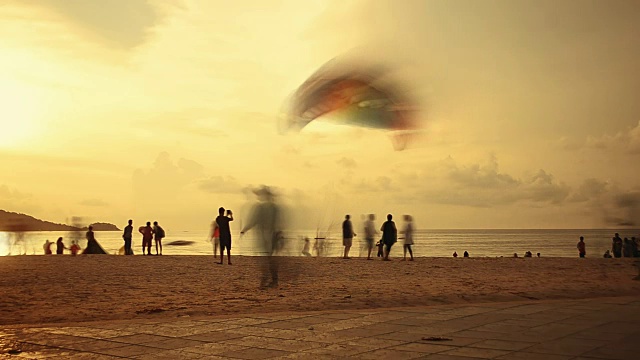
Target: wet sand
point(58, 289)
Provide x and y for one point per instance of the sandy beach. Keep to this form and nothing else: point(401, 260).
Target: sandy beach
point(58, 289)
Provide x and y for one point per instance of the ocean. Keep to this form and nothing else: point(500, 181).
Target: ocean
point(429, 243)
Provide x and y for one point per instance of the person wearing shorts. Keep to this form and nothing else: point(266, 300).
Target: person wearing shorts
point(222, 222)
point(369, 234)
point(389, 235)
point(347, 235)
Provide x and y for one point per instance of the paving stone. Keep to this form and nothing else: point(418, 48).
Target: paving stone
point(93, 345)
point(138, 338)
point(213, 336)
point(423, 347)
point(254, 354)
point(341, 350)
point(173, 343)
point(174, 355)
point(613, 353)
point(502, 345)
point(533, 356)
point(128, 351)
point(213, 348)
point(566, 346)
point(389, 354)
point(476, 352)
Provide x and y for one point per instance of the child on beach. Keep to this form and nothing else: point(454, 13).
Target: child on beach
point(307, 247)
point(582, 250)
point(75, 248)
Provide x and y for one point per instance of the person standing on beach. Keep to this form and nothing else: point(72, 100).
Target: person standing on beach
point(158, 234)
point(369, 234)
point(147, 236)
point(582, 249)
point(389, 235)
point(47, 247)
point(128, 237)
point(347, 235)
point(408, 237)
point(215, 239)
point(616, 246)
point(92, 244)
point(225, 234)
point(266, 217)
point(60, 248)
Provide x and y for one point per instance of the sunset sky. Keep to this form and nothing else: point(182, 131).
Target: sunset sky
point(166, 110)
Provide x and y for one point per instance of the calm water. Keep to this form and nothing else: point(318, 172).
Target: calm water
point(440, 243)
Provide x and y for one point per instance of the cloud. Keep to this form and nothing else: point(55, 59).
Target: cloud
point(9, 194)
point(123, 24)
point(347, 163)
point(94, 203)
point(220, 185)
point(627, 141)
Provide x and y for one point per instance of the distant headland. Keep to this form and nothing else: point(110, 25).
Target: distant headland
point(10, 221)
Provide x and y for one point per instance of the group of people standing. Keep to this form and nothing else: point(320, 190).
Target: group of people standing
point(149, 233)
point(389, 236)
point(619, 248)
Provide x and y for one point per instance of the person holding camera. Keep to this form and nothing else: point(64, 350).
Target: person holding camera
point(225, 233)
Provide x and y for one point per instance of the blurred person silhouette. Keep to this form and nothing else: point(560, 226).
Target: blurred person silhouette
point(92, 244)
point(60, 248)
point(389, 235)
point(616, 246)
point(127, 236)
point(75, 248)
point(408, 237)
point(466, 254)
point(347, 235)
point(607, 255)
point(147, 236)
point(47, 247)
point(582, 247)
point(634, 247)
point(307, 247)
point(528, 254)
point(215, 239)
point(225, 233)
point(627, 249)
point(158, 234)
point(369, 234)
point(266, 218)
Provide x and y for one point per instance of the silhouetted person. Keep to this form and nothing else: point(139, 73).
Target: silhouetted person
point(347, 235)
point(147, 236)
point(455, 254)
point(466, 254)
point(128, 238)
point(389, 235)
point(627, 249)
point(616, 246)
point(225, 234)
point(538, 254)
point(634, 247)
point(47, 247)
point(60, 248)
point(515, 255)
point(158, 234)
point(582, 248)
point(380, 246)
point(528, 254)
point(408, 237)
point(92, 244)
point(369, 234)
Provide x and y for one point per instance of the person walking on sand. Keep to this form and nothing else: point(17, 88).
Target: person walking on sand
point(127, 236)
point(60, 248)
point(147, 236)
point(369, 234)
point(158, 234)
point(47, 247)
point(389, 235)
point(225, 234)
point(347, 235)
point(408, 237)
point(582, 248)
point(215, 239)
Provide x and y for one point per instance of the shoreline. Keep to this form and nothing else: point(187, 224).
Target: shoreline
point(69, 289)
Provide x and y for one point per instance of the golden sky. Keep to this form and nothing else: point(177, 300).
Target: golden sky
point(165, 110)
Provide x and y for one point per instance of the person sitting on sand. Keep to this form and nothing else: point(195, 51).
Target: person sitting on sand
point(408, 237)
point(47, 247)
point(158, 235)
point(389, 235)
point(538, 254)
point(607, 255)
point(515, 255)
point(347, 235)
point(60, 248)
point(455, 254)
point(75, 248)
point(147, 236)
point(582, 248)
point(528, 254)
point(466, 254)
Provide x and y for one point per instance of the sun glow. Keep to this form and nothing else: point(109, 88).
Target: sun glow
point(19, 113)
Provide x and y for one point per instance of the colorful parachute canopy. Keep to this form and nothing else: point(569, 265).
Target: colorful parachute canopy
point(359, 96)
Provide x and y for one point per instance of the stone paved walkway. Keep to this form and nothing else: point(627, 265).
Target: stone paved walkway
point(606, 328)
